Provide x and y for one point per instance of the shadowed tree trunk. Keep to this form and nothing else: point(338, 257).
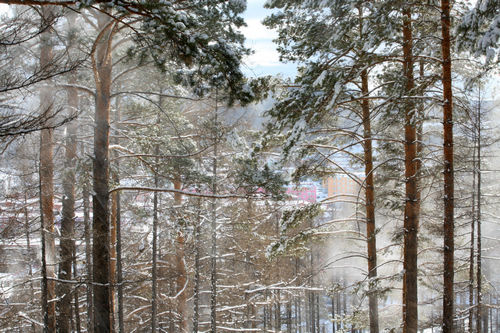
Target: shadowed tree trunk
point(88, 252)
point(76, 295)
point(29, 253)
point(213, 254)
point(180, 265)
point(67, 242)
point(119, 265)
point(46, 169)
point(479, 313)
point(449, 244)
point(197, 267)
point(112, 255)
point(410, 298)
point(472, 236)
point(102, 66)
point(117, 227)
point(154, 268)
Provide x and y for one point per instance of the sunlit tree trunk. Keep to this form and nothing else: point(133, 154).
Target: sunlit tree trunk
point(449, 244)
point(410, 298)
point(370, 207)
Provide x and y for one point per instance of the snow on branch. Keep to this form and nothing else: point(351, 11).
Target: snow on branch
point(171, 190)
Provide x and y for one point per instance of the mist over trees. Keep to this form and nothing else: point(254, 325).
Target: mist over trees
point(148, 185)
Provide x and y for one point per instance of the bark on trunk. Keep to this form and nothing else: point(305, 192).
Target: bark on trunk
point(370, 208)
point(449, 246)
point(479, 314)
point(112, 257)
point(119, 265)
point(472, 238)
point(197, 268)
point(101, 238)
point(410, 298)
point(154, 268)
point(88, 254)
point(180, 266)
point(30, 253)
point(67, 242)
point(213, 254)
point(47, 184)
point(78, 324)
point(117, 227)
point(332, 298)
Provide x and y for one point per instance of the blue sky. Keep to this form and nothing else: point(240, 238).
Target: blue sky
point(265, 60)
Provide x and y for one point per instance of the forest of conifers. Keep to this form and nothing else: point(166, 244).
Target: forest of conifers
point(148, 183)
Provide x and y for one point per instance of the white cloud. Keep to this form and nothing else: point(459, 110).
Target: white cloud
point(257, 31)
point(265, 54)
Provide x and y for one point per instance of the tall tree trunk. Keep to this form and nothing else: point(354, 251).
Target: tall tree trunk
point(410, 297)
point(299, 315)
point(112, 256)
point(102, 65)
point(30, 254)
point(288, 316)
point(264, 312)
point(472, 236)
point(180, 264)
point(76, 295)
point(47, 183)
point(119, 264)
point(479, 314)
point(449, 244)
point(67, 242)
point(344, 305)
point(332, 298)
point(339, 311)
point(277, 313)
point(154, 268)
point(317, 312)
point(370, 208)
point(197, 267)
point(213, 254)
point(114, 224)
point(116, 218)
point(88, 252)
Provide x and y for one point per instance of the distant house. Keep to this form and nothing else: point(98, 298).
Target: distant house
point(342, 187)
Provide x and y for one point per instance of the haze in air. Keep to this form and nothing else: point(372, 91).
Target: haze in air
point(261, 166)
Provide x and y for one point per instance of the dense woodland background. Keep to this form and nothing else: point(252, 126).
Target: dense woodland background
point(148, 185)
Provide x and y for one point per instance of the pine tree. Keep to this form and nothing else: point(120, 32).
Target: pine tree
point(449, 223)
point(334, 82)
point(47, 186)
point(479, 30)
